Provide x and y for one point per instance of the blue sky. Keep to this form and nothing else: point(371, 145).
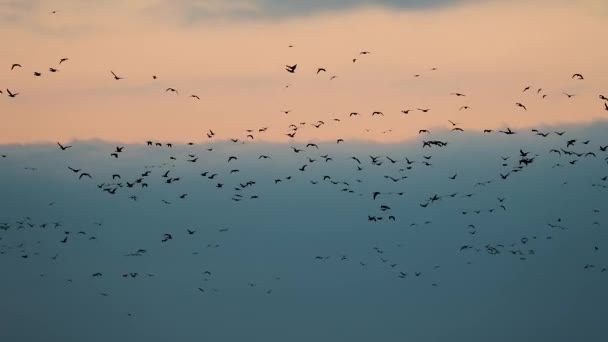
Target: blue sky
point(280, 234)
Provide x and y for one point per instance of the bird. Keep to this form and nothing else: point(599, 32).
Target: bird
point(518, 104)
point(10, 94)
point(508, 131)
point(116, 77)
point(172, 90)
point(321, 69)
point(63, 148)
point(291, 68)
point(15, 66)
point(195, 96)
point(578, 76)
point(84, 174)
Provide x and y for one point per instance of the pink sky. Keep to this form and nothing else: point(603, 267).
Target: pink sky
point(489, 51)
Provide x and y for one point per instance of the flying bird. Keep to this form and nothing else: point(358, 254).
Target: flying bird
point(11, 94)
point(116, 77)
point(63, 148)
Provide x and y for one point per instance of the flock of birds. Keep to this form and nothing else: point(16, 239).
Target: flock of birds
point(397, 169)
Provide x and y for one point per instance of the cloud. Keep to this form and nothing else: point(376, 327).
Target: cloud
point(199, 10)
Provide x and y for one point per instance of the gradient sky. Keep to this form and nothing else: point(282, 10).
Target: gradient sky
point(547, 297)
point(322, 270)
point(232, 55)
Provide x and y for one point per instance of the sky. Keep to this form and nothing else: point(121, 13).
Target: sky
point(273, 242)
point(303, 238)
point(232, 55)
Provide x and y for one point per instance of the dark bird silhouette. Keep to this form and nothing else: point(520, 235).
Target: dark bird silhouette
point(116, 77)
point(521, 105)
point(63, 148)
point(84, 174)
point(11, 94)
point(291, 68)
point(578, 76)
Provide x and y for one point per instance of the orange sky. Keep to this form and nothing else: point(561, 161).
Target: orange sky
point(489, 51)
